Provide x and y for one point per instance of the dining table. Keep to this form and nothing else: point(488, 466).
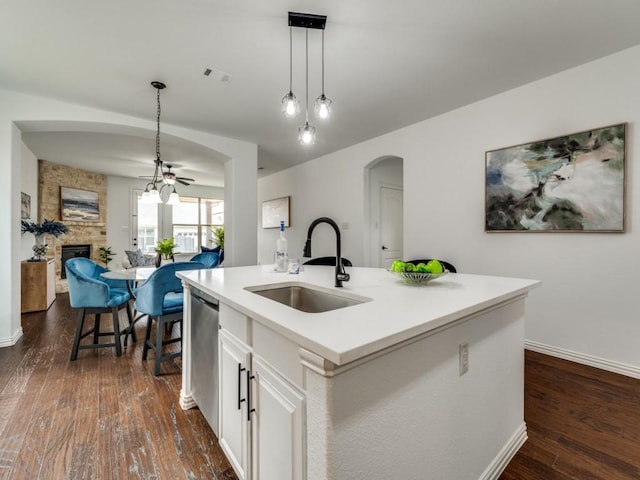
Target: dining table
point(133, 276)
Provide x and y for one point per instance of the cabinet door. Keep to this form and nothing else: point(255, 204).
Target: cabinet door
point(234, 357)
point(277, 422)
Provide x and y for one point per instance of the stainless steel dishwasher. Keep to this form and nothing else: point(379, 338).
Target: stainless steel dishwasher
point(204, 363)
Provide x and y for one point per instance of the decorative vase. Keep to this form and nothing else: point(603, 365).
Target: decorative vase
point(39, 249)
point(158, 260)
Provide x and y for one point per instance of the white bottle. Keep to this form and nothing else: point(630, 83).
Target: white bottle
point(282, 254)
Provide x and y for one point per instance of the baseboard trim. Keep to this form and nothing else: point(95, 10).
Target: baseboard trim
point(495, 469)
point(12, 340)
point(590, 360)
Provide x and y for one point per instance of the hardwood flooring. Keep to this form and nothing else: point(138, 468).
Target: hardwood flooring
point(104, 417)
point(583, 423)
point(99, 417)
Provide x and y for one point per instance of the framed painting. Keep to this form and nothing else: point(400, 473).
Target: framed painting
point(274, 211)
point(25, 206)
point(573, 183)
point(79, 205)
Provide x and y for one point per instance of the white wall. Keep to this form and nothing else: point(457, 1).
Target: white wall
point(119, 208)
point(589, 299)
point(28, 111)
point(29, 185)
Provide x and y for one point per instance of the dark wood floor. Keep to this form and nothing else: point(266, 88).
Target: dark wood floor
point(100, 417)
point(583, 423)
point(103, 417)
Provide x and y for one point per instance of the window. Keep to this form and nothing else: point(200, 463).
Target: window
point(193, 222)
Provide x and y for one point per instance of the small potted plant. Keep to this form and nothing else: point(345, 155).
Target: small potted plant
point(164, 249)
point(39, 230)
point(106, 255)
point(218, 236)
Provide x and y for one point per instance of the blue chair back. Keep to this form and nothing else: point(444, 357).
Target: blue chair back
point(208, 259)
point(88, 290)
point(161, 294)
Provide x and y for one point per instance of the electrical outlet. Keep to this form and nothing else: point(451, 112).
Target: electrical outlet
point(463, 357)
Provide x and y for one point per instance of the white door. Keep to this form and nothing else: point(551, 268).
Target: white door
point(277, 430)
point(234, 358)
point(390, 225)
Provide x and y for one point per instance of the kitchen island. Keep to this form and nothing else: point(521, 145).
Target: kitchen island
point(412, 382)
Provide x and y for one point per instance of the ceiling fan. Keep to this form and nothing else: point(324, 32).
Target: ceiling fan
point(167, 175)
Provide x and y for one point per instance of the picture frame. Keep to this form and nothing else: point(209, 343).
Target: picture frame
point(571, 183)
point(79, 205)
point(25, 206)
point(276, 210)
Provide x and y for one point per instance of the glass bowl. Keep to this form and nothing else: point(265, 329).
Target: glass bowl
point(419, 278)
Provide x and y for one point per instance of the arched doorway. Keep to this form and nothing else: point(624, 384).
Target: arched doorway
point(384, 193)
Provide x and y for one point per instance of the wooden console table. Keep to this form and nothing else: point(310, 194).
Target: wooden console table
point(38, 281)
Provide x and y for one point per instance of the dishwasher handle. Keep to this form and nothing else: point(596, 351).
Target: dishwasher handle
point(209, 304)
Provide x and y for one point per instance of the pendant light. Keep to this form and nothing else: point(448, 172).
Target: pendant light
point(290, 104)
point(151, 193)
point(307, 133)
point(323, 104)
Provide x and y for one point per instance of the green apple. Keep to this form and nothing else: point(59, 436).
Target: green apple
point(409, 267)
point(397, 266)
point(434, 266)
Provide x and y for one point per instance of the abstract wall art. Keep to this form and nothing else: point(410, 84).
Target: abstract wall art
point(573, 183)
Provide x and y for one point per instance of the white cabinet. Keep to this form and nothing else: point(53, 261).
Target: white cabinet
point(234, 357)
point(261, 416)
point(277, 426)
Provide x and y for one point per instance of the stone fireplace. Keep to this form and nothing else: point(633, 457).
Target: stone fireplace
point(52, 176)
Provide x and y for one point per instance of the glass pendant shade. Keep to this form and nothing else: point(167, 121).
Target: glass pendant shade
point(323, 107)
point(290, 105)
point(154, 196)
point(307, 134)
point(145, 197)
point(174, 198)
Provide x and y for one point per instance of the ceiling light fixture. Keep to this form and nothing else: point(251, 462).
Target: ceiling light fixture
point(323, 103)
point(151, 193)
point(290, 105)
point(307, 133)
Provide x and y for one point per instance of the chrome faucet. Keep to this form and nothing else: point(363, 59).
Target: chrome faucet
point(341, 275)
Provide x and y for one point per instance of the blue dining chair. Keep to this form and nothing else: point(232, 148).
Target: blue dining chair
point(92, 294)
point(208, 259)
point(161, 298)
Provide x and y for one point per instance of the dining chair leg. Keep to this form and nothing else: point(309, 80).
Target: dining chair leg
point(147, 336)
point(132, 322)
point(158, 349)
point(96, 328)
point(76, 339)
point(116, 331)
point(131, 330)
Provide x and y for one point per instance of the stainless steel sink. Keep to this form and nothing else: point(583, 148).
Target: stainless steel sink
point(306, 299)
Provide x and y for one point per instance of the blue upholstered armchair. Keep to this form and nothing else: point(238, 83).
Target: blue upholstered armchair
point(161, 298)
point(92, 294)
point(208, 259)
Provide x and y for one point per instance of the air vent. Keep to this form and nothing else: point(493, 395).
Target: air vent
point(218, 75)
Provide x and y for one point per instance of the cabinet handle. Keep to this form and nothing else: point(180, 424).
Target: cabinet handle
point(249, 409)
point(240, 399)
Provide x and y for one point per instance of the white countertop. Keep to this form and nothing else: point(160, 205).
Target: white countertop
point(396, 312)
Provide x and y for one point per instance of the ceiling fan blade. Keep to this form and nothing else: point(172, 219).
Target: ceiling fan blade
point(145, 176)
point(186, 179)
point(179, 180)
